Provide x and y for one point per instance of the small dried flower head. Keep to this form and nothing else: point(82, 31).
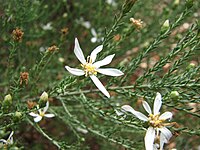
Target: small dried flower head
point(52, 48)
point(31, 104)
point(64, 31)
point(117, 37)
point(17, 34)
point(24, 77)
point(138, 24)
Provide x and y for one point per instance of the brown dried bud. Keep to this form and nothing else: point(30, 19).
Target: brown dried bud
point(17, 34)
point(138, 24)
point(31, 104)
point(24, 77)
point(64, 31)
point(117, 37)
point(52, 48)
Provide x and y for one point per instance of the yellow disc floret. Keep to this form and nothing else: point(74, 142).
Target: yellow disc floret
point(154, 121)
point(89, 68)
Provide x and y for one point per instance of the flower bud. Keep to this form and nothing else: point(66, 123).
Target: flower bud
point(176, 2)
point(17, 116)
point(165, 26)
point(44, 97)
point(7, 100)
point(174, 95)
point(190, 66)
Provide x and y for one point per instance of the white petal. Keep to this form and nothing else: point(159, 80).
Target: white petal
point(3, 141)
point(94, 53)
point(78, 52)
point(157, 104)
point(128, 109)
point(74, 71)
point(163, 140)
point(110, 72)
point(146, 107)
point(141, 116)
point(94, 33)
point(104, 62)
point(166, 115)
point(166, 132)
point(10, 136)
point(136, 113)
point(38, 118)
point(93, 39)
point(49, 115)
point(149, 138)
point(46, 107)
point(99, 85)
point(33, 114)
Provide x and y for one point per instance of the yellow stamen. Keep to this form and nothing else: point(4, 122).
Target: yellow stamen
point(42, 114)
point(89, 68)
point(154, 121)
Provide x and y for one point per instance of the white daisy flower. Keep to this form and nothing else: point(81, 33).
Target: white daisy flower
point(91, 68)
point(9, 141)
point(157, 127)
point(96, 36)
point(38, 117)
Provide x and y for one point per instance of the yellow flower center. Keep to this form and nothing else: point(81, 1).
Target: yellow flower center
point(154, 121)
point(89, 68)
point(42, 114)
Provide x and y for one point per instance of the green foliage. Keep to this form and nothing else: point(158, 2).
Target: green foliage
point(154, 58)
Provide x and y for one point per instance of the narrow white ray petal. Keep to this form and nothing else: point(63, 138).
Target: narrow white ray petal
point(10, 136)
point(157, 104)
point(128, 109)
point(49, 115)
point(146, 107)
point(136, 113)
point(78, 52)
point(94, 53)
point(99, 85)
point(94, 33)
point(46, 107)
point(110, 72)
point(38, 118)
point(3, 141)
point(163, 140)
point(74, 71)
point(149, 138)
point(33, 114)
point(141, 116)
point(166, 132)
point(166, 115)
point(104, 61)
